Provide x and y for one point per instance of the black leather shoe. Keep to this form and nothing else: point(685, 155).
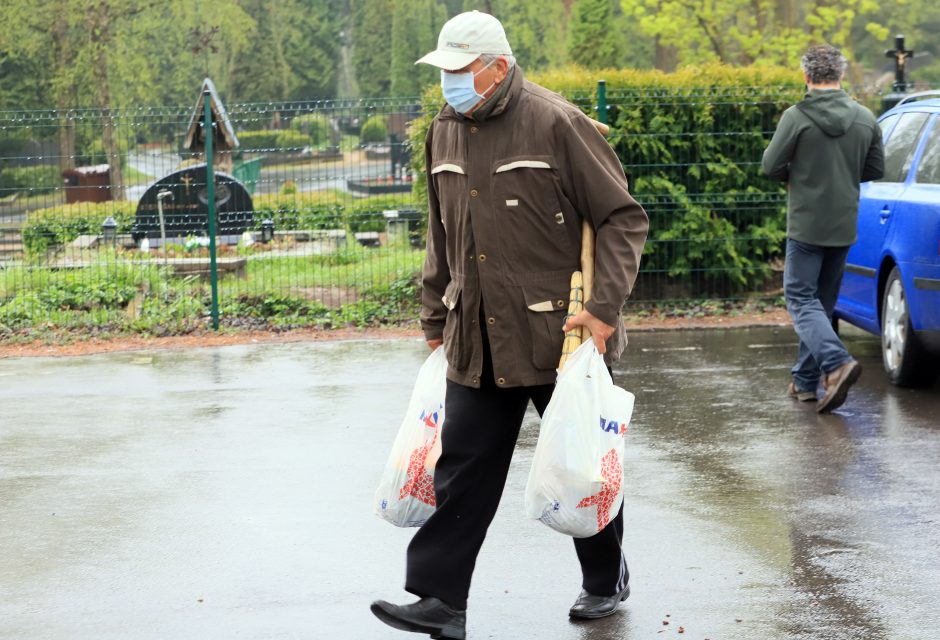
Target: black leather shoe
point(589, 606)
point(427, 615)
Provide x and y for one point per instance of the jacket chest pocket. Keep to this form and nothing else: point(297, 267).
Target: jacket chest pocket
point(535, 227)
point(450, 183)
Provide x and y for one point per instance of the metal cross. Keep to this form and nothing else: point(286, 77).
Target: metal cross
point(900, 55)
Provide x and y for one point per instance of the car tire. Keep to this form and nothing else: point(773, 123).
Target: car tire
point(905, 359)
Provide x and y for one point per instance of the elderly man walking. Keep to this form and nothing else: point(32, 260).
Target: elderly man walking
point(823, 148)
point(512, 171)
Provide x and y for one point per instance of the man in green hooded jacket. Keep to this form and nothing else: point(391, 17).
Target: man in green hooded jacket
point(823, 148)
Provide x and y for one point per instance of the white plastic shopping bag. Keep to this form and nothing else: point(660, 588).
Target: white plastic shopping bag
point(576, 482)
point(405, 496)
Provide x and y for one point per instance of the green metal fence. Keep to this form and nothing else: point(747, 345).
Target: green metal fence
point(104, 216)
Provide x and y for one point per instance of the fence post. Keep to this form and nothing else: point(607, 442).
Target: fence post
point(208, 132)
point(602, 101)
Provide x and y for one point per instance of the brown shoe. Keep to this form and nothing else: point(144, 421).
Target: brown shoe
point(837, 386)
point(802, 396)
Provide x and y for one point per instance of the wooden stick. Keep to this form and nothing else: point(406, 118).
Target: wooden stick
point(602, 128)
point(587, 268)
point(575, 305)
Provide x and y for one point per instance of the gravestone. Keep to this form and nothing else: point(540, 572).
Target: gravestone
point(186, 210)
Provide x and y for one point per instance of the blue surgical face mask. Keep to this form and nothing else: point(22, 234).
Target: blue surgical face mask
point(460, 90)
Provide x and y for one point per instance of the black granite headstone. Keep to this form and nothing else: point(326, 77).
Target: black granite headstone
point(185, 209)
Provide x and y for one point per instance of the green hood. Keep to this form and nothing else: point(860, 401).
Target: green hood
point(832, 110)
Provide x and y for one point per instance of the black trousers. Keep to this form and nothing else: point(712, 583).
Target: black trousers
point(479, 435)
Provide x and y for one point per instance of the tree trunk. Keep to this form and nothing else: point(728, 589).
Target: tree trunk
point(61, 59)
point(666, 57)
point(99, 29)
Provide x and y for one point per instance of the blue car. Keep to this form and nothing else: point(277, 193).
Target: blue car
point(891, 285)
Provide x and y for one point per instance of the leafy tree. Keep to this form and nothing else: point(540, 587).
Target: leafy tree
point(372, 46)
point(415, 25)
point(760, 31)
point(593, 41)
point(293, 54)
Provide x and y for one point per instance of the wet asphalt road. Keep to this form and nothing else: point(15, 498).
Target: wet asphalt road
point(226, 494)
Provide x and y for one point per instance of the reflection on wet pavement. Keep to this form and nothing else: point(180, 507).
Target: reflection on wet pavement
point(226, 493)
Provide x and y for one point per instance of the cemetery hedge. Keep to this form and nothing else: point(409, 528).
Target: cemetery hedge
point(34, 180)
point(59, 225)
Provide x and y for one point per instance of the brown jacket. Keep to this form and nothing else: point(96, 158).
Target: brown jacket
point(506, 200)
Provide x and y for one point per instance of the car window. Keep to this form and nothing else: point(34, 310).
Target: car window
point(929, 169)
point(886, 125)
point(899, 149)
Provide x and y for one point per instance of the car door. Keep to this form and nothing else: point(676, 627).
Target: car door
point(914, 240)
point(859, 293)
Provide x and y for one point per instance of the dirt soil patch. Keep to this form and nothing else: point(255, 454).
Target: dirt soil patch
point(78, 346)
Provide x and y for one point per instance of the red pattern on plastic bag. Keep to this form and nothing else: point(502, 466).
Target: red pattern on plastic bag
point(420, 483)
point(612, 471)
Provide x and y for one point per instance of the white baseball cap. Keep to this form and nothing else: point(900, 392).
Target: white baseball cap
point(464, 38)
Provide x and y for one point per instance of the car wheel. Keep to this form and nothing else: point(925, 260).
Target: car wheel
point(905, 359)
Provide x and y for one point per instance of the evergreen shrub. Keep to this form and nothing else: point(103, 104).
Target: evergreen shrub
point(265, 139)
point(292, 141)
point(375, 129)
point(315, 126)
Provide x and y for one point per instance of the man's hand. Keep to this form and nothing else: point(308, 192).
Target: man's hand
point(434, 344)
point(600, 330)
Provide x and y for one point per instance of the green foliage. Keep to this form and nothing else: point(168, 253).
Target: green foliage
point(254, 140)
point(121, 299)
point(293, 211)
point(770, 32)
point(272, 305)
point(98, 289)
point(293, 51)
point(36, 180)
point(55, 226)
point(415, 25)
point(372, 46)
point(375, 129)
point(292, 141)
point(327, 210)
point(592, 42)
point(315, 126)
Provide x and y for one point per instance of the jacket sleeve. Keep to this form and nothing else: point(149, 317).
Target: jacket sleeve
point(874, 168)
point(777, 155)
point(593, 180)
point(436, 275)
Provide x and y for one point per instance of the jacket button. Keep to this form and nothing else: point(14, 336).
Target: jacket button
point(491, 320)
point(560, 303)
point(482, 257)
point(474, 379)
point(474, 129)
point(474, 193)
point(500, 380)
